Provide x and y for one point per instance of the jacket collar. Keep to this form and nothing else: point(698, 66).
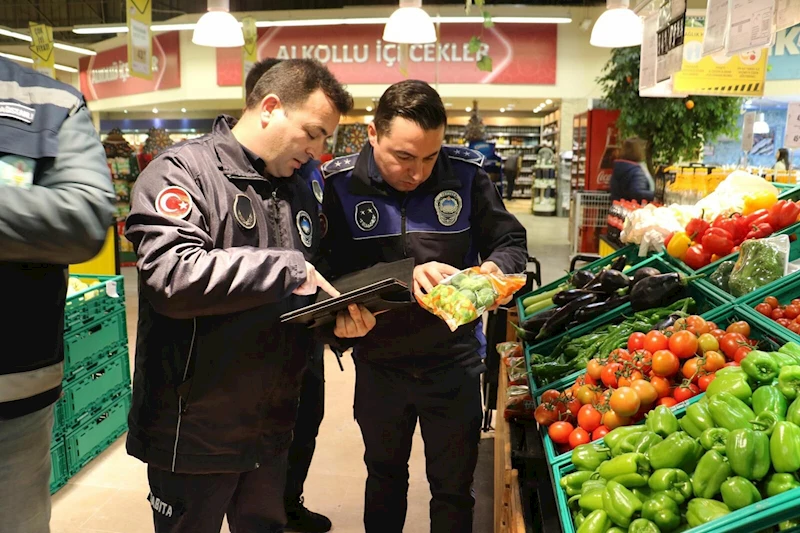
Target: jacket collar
point(232, 160)
point(368, 181)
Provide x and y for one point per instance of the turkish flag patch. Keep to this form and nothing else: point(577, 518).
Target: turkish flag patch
point(174, 202)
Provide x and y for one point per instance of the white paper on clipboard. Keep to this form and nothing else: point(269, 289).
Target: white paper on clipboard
point(716, 27)
point(649, 55)
point(787, 14)
point(750, 25)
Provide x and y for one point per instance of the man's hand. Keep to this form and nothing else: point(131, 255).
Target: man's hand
point(490, 267)
point(356, 322)
point(429, 275)
point(314, 280)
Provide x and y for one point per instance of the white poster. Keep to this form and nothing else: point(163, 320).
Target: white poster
point(747, 130)
point(787, 13)
point(671, 28)
point(716, 26)
point(750, 25)
point(793, 126)
point(649, 56)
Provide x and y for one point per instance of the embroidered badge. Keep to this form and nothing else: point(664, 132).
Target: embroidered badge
point(174, 202)
point(448, 206)
point(305, 228)
point(366, 216)
point(17, 111)
point(323, 225)
point(317, 188)
point(243, 211)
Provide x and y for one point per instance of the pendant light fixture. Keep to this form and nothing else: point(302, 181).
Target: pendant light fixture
point(617, 27)
point(760, 126)
point(218, 28)
point(410, 24)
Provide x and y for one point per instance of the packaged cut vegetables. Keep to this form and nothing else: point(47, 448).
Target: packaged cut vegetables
point(761, 261)
point(463, 297)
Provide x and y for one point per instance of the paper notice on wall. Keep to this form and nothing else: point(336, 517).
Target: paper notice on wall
point(140, 40)
point(671, 28)
point(747, 131)
point(649, 55)
point(250, 48)
point(44, 60)
point(792, 126)
point(716, 26)
point(750, 25)
point(787, 13)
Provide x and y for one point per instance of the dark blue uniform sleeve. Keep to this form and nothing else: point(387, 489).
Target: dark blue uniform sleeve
point(638, 186)
point(498, 234)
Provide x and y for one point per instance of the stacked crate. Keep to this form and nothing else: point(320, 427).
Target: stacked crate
point(92, 412)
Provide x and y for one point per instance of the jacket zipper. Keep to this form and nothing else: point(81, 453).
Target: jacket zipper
point(181, 406)
point(403, 226)
point(276, 218)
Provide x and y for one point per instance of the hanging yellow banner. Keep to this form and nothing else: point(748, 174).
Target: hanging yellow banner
point(140, 42)
point(44, 60)
point(742, 74)
point(250, 49)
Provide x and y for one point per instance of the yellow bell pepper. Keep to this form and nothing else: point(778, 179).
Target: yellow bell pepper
point(679, 244)
point(759, 200)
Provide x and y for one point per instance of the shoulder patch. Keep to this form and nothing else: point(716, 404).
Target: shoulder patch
point(340, 164)
point(465, 154)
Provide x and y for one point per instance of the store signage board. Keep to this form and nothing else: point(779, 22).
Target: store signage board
point(44, 60)
point(787, 14)
point(107, 75)
point(720, 75)
point(747, 131)
point(663, 89)
point(716, 27)
point(671, 28)
point(140, 40)
point(250, 48)
point(784, 61)
point(521, 53)
point(793, 126)
point(750, 25)
point(649, 55)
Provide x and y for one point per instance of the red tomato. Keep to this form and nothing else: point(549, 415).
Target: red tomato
point(661, 385)
point(705, 381)
point(654, 341)
point(594, 368)
point(796, 302)
point(577, 437)
point(573, 405)
point(714, 361)
point(600, 432)
point(636, 341)
point(612, 420)
point(665, 363)
point(741, 327)
point(646, 392)
point(609, 374)
point(730, 343)
point(791, 311)
point(560, 431)
point(697, 325)
point(625, 401)
point(690, 368)
point(545, 414)
point(732, 363)
point(765, 309)
point(777, 314)
point(794, 327)
point(684, 392)
point(668, 401)
point(683, 344)
point(718, 334)
point(620, 355)
point(589, 418)
point(628, 378)
point(741, 353)
point(550, 395)
point(772, 301)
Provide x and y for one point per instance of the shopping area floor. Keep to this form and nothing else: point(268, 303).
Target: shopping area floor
point(109, 494)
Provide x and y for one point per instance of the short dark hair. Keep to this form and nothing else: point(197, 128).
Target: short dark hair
point(633, 149)
point(412, 100)
point(294, 80)
point(256, 72)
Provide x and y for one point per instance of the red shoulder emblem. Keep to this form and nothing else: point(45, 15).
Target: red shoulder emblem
point(174, 202)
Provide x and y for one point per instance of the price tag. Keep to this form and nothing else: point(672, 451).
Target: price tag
point(747, 131)
point(793, 126)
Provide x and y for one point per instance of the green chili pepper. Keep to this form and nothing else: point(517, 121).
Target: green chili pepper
point(784, 447)
point(711, 471)
point(769, 398)
point(572, 483)
point(662, 421)
point(672, 481)
point(775, 484)
point(679, 450)
point(620, 504)
point(714, 439)
point(629, 470)
point(642, 525)
point(748, 453)
point(589, 456)
point(701, 511)
point(730, 412)
point(760, 366)
point(597, 522)
point(738, 492)
point(662, 510)
point(789, 381)
point(696, 419)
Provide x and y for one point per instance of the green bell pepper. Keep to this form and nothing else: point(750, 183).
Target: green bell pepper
point(711, 471)
point(597, 522)
point(572, 483)
point(613, 437)
point(626, 444)
point(787, 525)
point(730, 412)
point(714, 439)
point(663, 511)
point(760, 366)
point(792, 349)
point(672, 481)
point(738, 492)
point(616, 529)
point(637, 442)
point(702, 511)
point(784, 447)
point(735, 384)
point(594, 483)
point(766, 422)
point(748, 453)
point(662, 421)
point(578, 519)
point(697, 419)
point(642, 525)
point(789, 381)
point(589, 456)
point(629, 470)
point(643, 493)
point(775, 484)
point(679, 450)
point(730, 371)
point(784, 359)
point(793, 413)
point(620, 504)
point(591, 500)
point(769, 398)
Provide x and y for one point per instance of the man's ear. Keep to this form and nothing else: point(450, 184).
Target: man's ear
point(372, 134)
point(269, 104)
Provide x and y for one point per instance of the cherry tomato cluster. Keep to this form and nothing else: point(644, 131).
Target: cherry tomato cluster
point(787, 316)
point(658, 368)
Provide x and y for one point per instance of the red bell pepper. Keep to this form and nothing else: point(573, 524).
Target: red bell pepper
point(758, 217)
point(697, 228)
point(697, 257)
point(759, 231)
point(668, 238)
point(718, 241)
point(734, 225)
point(783, 214)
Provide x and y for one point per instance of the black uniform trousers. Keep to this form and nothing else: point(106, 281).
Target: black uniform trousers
point(447, 403)
point(310, 412)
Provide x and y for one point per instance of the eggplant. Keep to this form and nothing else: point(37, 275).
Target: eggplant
point(645, 272)
point(565, 297)
point(527, 336)
point(564, 314)
point(581, 278)
point(657, 291)
point(619, 263)
point(596, 309)
point(613, 280)
point(535, 323)
point(594, 286)
point(667, 322)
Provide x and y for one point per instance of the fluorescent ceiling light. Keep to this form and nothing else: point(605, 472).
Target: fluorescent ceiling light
point(410, 24)
point(99, 29)
point(548, 101)
point(617, 27)
point(218, 28)
point(177, 27)
point(468, 109)
point(502, 109)
point(23, 59)
point(60, 46)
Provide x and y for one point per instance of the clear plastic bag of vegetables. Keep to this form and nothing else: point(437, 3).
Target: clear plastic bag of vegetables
point(517, 371)
point(519, 403)
point(761, 261)
point(463, 297)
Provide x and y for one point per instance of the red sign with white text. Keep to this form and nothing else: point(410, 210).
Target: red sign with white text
point(521, 54)
point(106, 75)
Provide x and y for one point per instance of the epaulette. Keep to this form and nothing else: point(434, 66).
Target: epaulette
point(340, 164)
point(465, 154)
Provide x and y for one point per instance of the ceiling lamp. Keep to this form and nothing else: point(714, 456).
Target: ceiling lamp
point(218, 28)
point(409, 24)
point(760, 126)
point(617, 27)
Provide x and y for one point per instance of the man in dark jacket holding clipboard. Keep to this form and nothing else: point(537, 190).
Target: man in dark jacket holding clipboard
point(406, 196)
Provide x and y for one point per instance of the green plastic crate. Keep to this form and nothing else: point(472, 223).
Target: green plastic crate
point(92, 390)
point(94, 303)
point(59, 475)
point(93, 341)
point(97, 433)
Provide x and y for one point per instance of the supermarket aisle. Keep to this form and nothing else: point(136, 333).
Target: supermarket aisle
point(109, 494)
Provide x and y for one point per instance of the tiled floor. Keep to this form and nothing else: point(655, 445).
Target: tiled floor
point(108, 495)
